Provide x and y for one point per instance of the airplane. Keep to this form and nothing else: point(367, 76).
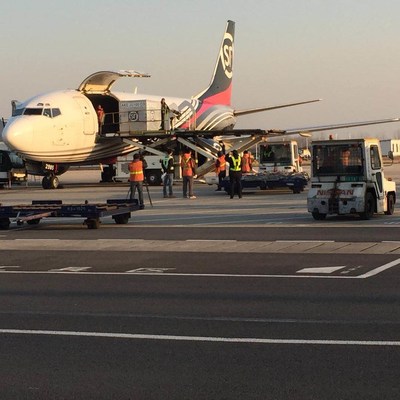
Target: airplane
point(55, 130)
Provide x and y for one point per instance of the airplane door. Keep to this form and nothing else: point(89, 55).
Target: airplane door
point(88, 116)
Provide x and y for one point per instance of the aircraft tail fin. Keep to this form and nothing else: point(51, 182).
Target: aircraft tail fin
point(220, 88)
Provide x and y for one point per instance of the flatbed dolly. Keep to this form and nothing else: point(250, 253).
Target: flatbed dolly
point(296, 182)
point(119, 209)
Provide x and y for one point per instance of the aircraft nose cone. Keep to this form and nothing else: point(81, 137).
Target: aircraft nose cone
point(18, 135)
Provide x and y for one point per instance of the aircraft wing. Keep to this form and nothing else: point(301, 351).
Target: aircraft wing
point(184, 133)
point(306, 130)
point(254, 110)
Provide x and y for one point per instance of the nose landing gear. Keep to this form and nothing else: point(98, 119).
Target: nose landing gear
point(50, 181)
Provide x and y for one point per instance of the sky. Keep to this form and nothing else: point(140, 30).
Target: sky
point(346, 52)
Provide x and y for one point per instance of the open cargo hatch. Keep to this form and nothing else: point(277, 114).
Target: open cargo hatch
point(101, 82)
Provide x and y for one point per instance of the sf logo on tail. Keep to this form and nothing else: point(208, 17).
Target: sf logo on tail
point(226, 54)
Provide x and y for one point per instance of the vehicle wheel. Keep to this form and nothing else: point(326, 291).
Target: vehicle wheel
point(318, 216)
point(122, 219)
point(92, 223)
point(369, 207)
point(153, 178)
point(390, 205)
point(33, 221)
point(4, 223)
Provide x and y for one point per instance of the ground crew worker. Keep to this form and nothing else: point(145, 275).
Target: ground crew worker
point(188, 166)
point(100, 116)
point(164, 115)
point(246, 162)
point(220, 169)
point(167, 165)
point(235, 173)
point(136, 178)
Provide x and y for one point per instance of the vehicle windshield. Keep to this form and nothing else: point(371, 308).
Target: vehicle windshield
point(16, 161)
point(275, 153)
point(341, 159)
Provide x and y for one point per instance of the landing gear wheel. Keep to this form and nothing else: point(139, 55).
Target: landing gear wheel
point(369, 207)
point(390, 205)
point(50, 182)
point(54, 182)
point(318, 216)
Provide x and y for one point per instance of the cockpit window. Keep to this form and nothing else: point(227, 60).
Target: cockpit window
point(33, 111)
point(47, 112)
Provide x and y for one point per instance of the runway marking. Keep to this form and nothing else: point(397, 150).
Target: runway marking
point(154, 271)
point(2, 267)
point(320, 270)
point(139, 336)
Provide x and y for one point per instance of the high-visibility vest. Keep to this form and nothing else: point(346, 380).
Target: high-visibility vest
point(236, 164)
point(136, 171)
point(187, 165)
point(165, 163)
point(222, 164)
point(246, 163)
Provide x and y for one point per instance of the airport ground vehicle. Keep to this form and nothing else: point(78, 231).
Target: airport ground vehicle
point(278, 167)
point(153, 171)
point(280, 156)
point(271, 180)
point(12, 168)
point(347, 178)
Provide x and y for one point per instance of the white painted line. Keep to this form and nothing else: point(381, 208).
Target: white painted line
point(211, 240)
point(139, 336)
point(305, 241)
point(320, 270)
point(380, 269)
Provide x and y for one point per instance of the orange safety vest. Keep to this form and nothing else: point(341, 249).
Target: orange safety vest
point(246, 167)
point(222, 165)
point(136, 171)
point(187, 165)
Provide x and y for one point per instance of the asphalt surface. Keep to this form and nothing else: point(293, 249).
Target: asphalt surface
point(209, 298)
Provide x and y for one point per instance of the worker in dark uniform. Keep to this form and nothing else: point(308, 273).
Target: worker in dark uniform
point(235, 173)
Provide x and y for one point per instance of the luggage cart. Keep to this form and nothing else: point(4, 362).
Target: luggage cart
point(119, 209)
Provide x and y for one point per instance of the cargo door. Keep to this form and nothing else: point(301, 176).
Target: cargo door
point(89, 122)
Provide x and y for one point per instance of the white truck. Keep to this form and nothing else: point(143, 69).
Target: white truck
point(347, 178)
point(153, 172)
point(279, 157)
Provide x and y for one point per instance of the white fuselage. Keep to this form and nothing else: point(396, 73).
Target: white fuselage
point(62, 127)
